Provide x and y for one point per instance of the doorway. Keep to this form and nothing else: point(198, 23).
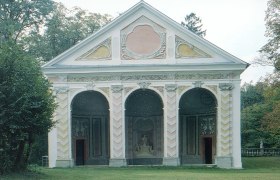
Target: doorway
point(208, 150)
point(80, 152)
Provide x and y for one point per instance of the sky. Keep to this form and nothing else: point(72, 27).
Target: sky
point(237, 26)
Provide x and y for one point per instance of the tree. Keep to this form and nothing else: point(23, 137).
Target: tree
point(252, 112)
point(251, 126)
point(26, 108)
point(260, 114)
point(193, 23)
point(271, 120)
point(63, 29)
point(251, 94)
point(19, 17)
point(270, 52)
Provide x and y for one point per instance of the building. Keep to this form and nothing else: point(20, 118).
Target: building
point(143, 90)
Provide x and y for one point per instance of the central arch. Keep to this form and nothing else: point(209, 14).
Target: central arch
point(197, 133)
point(144, 128)
point(90, 128)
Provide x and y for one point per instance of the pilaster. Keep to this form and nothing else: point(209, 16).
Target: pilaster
point(236, 134)
point(61, 116)
point(224, 151)
point(117, 128)
point(171, 156)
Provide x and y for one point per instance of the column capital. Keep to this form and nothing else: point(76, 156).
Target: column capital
point(198, 84)
point(144, 85)
point(90, 86)
point(226, 86)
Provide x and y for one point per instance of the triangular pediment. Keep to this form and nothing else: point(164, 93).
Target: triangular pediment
point(143, 36)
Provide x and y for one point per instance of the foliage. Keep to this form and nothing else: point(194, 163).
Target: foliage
point(260, 113)
point(44, 29)
point(63, 29)
point(193, 23)
point(26, 106)
point(270, 52)
point(271, 120)
point(39, 149)
point(252, 132)
point(251, 94)
point(19, 17)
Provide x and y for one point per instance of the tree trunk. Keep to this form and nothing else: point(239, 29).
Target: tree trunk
point(29, 149)
point(18, 160)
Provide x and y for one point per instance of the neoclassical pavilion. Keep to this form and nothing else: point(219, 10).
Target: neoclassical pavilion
point(143, 90)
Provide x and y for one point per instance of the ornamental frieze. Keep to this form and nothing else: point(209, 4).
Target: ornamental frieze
point(163, 76)
point(203, 76)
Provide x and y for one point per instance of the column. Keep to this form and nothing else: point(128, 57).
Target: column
point(171, 131)
point(117, 128)
point(64, 158)
point(224, 134)
point(236, 133)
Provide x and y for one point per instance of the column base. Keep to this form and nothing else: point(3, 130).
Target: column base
point(237, 165)
point(117, 162)
point(171, 161)
point(65, 163)
point(224, 162)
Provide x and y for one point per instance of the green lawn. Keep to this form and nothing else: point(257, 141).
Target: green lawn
point(254, 168)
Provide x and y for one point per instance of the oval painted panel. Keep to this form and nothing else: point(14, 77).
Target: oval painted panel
point(143, 40)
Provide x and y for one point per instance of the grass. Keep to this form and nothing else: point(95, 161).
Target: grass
point(254, 168)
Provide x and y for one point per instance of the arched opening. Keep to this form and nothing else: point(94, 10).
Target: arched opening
point(144, 128)
point(197, 134)
point(90, 129)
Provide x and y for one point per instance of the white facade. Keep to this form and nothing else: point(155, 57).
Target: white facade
point(144, 49)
